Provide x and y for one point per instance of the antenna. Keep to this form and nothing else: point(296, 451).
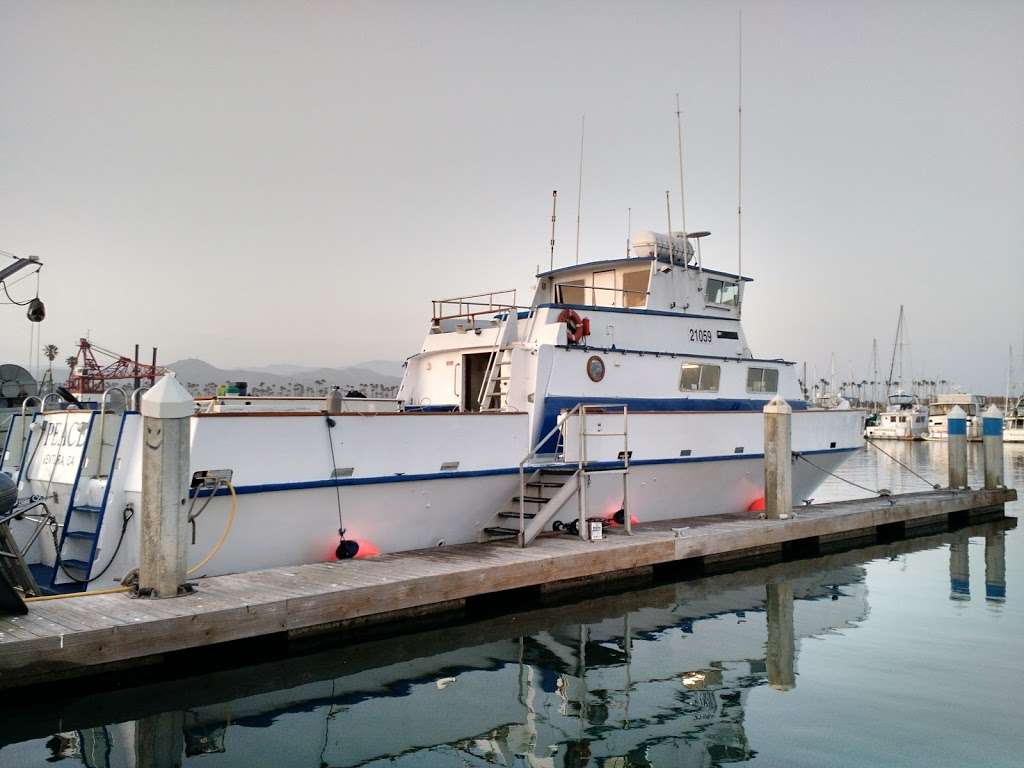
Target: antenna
point(671, 240)
point(671, 247)
point(739, 154)
point(629, 219)
point(554, 203)
point(579, 188)
point(682, 186)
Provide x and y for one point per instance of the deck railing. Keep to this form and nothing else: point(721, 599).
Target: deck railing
point(475, 305)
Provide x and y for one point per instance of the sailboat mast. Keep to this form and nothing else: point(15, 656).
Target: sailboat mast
point(896, 344)
point(874, 376)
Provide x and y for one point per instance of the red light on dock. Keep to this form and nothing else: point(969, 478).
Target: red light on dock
point(757, 505)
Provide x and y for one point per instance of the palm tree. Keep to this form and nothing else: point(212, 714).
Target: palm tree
point(71, 362)
point(50, 353)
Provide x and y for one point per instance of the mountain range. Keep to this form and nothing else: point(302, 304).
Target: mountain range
point(382, 372)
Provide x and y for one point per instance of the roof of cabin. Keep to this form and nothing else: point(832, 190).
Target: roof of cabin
point(623, 262)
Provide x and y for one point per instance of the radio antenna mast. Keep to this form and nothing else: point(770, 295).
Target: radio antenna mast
point(554, 202)
point(579, 188)
point(739, 154)
point(682, 186)
point(629, 226)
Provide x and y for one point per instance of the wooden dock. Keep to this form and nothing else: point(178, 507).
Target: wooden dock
point(100, 633)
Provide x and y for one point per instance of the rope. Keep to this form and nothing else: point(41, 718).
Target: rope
point(334, 473)
point(837, 477)
point(929, 483)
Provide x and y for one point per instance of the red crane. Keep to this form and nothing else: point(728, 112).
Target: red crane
point(89, 377)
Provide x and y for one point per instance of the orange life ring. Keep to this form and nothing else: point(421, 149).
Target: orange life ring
point(574, 325)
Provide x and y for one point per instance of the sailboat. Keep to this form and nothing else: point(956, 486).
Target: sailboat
point(905, 418)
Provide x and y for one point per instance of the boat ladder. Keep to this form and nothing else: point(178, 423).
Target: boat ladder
point(493, 394)
point(77, 545)
point(548, 481)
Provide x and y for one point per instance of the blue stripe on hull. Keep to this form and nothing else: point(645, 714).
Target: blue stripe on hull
point(554, 405)
point(348, 481)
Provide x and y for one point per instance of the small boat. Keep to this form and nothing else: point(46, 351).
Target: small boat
point(904, 419)
point(972, 405)
point(1013, 423)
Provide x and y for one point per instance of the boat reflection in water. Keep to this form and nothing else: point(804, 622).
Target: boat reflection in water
point(659, 676)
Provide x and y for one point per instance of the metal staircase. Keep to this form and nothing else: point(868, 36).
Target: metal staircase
point(548, 482)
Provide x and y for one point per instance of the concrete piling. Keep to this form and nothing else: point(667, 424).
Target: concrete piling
point(778, 459)
point(956, 446)
point(166, 410)
point(992, 439)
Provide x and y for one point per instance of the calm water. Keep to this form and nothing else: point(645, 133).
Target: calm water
point(907, 654)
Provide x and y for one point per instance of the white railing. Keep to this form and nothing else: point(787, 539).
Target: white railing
point(475, 305)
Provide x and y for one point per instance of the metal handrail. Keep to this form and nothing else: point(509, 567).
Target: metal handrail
point(103, 423)
point(24, 404)
point(582, 409)
point(47, 396)
point(136, 397)
point(465, 303)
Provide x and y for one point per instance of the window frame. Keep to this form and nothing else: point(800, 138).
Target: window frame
point(764, 372)
point(700, 377)
point(723, 283)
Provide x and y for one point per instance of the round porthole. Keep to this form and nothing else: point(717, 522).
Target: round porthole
point(595, 368)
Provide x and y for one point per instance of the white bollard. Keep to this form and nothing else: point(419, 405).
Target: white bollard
point(956, 447)
point(992, 439)
point(166, 420)
point(778, 459)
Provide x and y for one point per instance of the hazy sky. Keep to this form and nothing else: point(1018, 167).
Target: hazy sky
point(293, 182)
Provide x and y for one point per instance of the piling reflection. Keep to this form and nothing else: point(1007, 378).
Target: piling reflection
point(995, 566)
point(660, 676)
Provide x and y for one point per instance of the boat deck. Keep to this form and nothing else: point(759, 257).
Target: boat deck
point(98, 633)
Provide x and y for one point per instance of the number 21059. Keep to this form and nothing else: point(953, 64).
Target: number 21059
point(701, 335)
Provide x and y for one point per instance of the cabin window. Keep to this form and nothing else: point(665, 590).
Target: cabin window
point(699, 378)
point(722, 292)
point(634, 287)
point(762, 380)
point(571, 292)
point(603, 289)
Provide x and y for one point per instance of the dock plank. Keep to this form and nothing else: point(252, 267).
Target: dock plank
point(73, 636)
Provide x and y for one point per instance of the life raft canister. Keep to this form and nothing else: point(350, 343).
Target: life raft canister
point(575, 326)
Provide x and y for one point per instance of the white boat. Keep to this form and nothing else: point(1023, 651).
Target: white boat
point(1013, 423)
point(625, 384)
point(972, 405)
point(904, 419)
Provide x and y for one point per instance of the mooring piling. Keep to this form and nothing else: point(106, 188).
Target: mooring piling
point(956, 446)
point(780, 656)
point(959, 569)
point(778, 459)
point(992, 439)
point(995, 567)
point(166, 413)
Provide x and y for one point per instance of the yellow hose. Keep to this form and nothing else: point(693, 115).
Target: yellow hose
point(223, 536)
point(68, 596)
point(192, 570)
